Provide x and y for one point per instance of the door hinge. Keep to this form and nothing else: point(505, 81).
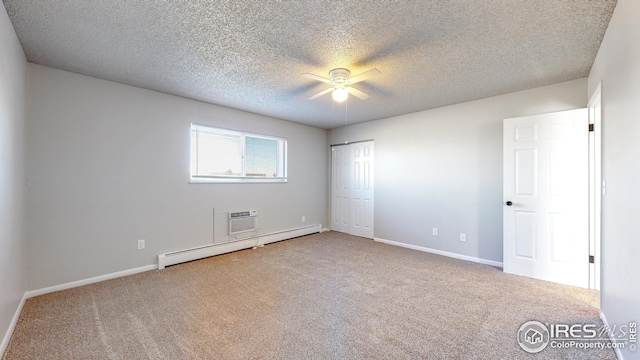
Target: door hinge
point(592, 259)
point(590, 127)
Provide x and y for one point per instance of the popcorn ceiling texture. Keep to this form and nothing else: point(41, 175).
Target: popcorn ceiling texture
point(249, 55)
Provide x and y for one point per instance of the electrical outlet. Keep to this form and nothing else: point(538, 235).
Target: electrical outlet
point(434, 232)
point(463, 237)
point(140, 244)
point(304, 219)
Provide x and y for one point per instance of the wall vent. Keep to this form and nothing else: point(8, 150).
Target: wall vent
point(243, 221)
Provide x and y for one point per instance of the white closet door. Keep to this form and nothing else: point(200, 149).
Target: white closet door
point(340, 188)
point(352, 188)
point(362, 189)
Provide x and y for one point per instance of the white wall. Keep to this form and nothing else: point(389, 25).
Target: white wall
point(12, 123)
point(108, 164)
point(443, 168)
point(618, 67)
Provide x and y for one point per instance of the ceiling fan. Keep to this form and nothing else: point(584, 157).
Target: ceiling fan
point(341, 83)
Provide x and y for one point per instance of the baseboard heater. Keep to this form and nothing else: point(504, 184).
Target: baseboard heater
point(201, 252)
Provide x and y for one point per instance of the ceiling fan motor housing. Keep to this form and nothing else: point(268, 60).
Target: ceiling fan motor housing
point(339, 75)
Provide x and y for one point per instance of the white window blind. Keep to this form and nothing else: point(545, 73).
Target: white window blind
point(220, 155)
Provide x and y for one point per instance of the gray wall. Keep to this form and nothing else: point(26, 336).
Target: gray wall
point(618, 67)
point(443, 168)
point(12, 123)
point(108, 164)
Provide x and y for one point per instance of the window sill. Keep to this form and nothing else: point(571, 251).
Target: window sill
point(234, 181)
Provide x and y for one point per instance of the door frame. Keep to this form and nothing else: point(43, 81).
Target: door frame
point(596, 186)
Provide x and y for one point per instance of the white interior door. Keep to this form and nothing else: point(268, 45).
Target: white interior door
point(546, 195)
point(352, 189)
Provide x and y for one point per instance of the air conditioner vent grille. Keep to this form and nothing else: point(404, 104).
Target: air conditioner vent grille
point(241, 214)
point(242, 221)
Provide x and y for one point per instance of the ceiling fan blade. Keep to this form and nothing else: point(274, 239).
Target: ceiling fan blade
point(357, 93)
point(364, 76)
point(320, 94)
point(316, 77)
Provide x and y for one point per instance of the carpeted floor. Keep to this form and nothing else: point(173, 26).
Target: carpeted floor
point(324, 296)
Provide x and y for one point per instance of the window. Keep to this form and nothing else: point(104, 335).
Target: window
point(219, 155)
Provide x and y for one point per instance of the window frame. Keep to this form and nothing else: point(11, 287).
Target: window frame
point(281, 163)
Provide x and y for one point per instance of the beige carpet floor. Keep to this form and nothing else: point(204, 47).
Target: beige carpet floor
point(324, 296)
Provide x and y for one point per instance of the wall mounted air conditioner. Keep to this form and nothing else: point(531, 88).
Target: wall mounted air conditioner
point(243, 221)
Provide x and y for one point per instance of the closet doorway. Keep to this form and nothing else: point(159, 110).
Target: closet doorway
point(352, 185)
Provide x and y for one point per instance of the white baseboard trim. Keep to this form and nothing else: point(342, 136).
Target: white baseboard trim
point(613, 340)
point(325, 230)
point(440, 252)
point(12, 326)
point(202, 252)
point(69, 285)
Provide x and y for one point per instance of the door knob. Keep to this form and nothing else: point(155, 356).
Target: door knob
point(509, 203)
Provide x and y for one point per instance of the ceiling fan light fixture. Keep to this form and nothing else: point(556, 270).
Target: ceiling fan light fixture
point(340, 94)
point(341, 81)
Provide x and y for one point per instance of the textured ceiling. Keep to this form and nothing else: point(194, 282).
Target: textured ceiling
point(249, 55)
